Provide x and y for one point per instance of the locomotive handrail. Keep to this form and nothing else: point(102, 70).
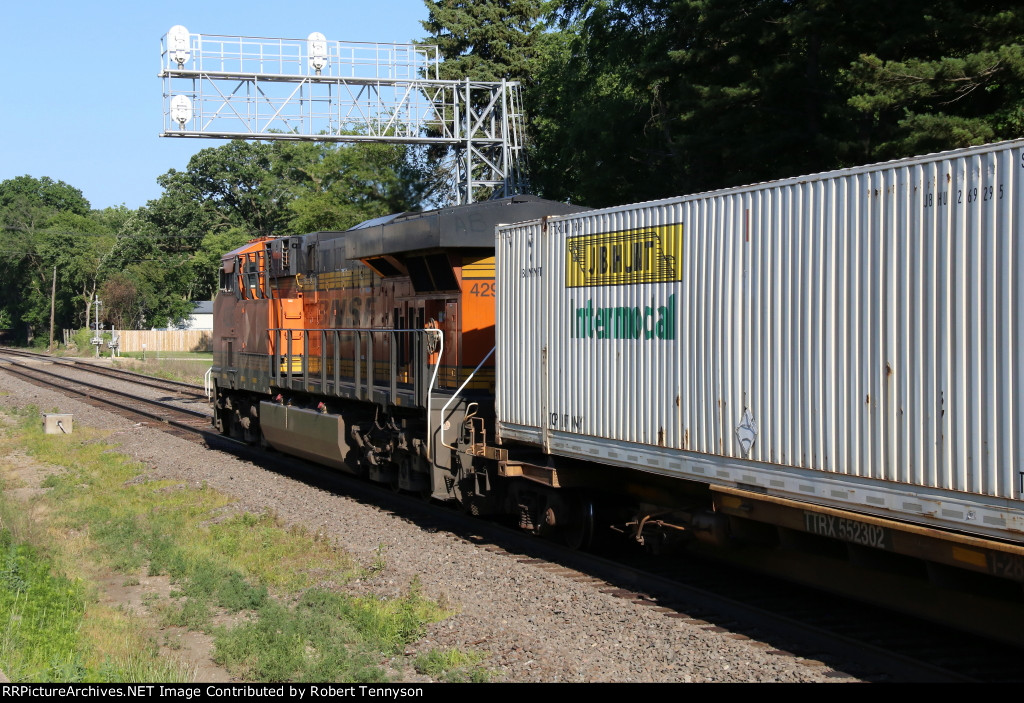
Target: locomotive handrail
point(440, 424)
point(288, 358)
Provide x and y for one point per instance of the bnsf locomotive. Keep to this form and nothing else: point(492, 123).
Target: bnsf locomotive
point(829, 363)
point(370, 350)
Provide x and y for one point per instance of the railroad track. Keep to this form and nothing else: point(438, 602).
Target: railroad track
point(181, 421)
point(854, 641)
point(177, 387)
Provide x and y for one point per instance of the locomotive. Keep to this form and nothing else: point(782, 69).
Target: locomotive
point(826, 363)
point(370, 350)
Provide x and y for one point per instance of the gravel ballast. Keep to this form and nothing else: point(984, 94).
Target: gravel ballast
point(532, 624)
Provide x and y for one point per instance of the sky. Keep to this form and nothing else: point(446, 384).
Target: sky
point(82, 100)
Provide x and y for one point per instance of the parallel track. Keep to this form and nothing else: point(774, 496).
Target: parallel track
point(176, 418)
point(184, 389)
point(851, 639)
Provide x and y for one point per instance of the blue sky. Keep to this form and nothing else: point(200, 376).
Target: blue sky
point(81, 97)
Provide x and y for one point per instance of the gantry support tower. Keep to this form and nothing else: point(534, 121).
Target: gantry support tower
point(313, 89)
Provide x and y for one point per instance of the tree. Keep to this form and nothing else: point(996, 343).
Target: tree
point(33, 211)
point(227, 186)
point(236, 192)
point(334, 186)
point(488, 40)
point(661, 97)
point(959, 82)
point(586, 117)
point(183, 214)
point(125, 307)
point(485, 40)
point(80, 248)
point(43, 193)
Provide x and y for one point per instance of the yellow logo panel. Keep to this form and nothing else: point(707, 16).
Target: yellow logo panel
point(647, 255)
point(482, 268)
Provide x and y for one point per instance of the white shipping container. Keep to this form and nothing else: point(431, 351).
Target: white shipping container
point(848, 338)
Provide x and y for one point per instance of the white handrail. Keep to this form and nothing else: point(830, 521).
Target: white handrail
point(440, 424)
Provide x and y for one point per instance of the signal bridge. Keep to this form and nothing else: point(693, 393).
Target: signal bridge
point(227, 87)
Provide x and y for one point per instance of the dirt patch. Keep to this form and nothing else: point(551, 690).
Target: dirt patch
point(137, 595)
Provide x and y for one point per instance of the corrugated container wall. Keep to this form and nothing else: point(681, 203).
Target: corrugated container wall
point(861, 324)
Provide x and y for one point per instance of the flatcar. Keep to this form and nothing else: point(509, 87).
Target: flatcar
point(826, 360)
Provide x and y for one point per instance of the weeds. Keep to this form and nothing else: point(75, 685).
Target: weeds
point(291, 630)
point(180, 368)
point(452, 666)
point(379, 563)
point(42, 612)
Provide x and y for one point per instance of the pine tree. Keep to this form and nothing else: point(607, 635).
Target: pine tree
point(959, 81)
point(485, 40)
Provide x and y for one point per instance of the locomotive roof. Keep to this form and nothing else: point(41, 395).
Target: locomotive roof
point(465, 226)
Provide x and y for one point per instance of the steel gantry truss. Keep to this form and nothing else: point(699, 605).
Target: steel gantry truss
point(313, 89)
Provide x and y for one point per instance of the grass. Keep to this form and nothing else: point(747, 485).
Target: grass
point(186, 367)
point(43, 612)
point(452, 666)
point(267, 593)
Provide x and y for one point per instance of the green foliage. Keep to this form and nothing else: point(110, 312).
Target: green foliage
point(333, 187)
point(237, 183)
point(222, 566)
point(492, 40)
point(452, 666)
point(43, 612)
point(37, 216)
point(960, 83)
point(302, 644)
point(148, 265)
point(663, 97)
point(44, 193)
point(325, 636)
point(485, 41)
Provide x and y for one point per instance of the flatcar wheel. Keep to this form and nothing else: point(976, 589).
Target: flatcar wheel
point(580, 534)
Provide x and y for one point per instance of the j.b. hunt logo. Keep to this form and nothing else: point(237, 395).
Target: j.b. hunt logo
point(647, 255)
point(647, 322)
point(629, 257)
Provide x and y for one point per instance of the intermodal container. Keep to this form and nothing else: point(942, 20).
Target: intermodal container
point(850, 338)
